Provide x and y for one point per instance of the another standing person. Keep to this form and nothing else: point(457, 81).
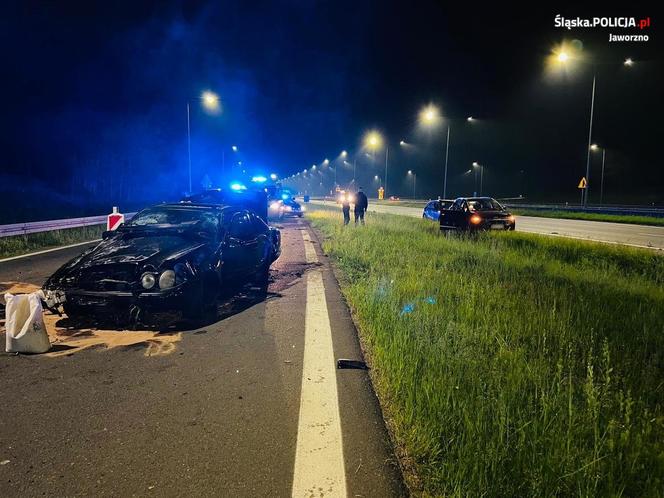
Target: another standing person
point(361, 205)
point(345, 207)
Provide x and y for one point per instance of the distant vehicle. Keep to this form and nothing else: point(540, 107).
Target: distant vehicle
point(476, 213)
point(287, 207)
point(168, 262)
point(433, 208)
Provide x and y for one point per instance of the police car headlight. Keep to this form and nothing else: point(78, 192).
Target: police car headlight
point(167, 279)
point(148, 280)
point(274, 205)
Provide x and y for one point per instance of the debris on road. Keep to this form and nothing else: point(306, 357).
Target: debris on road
point(355, 364)
point(26, 331)
point(66, 338)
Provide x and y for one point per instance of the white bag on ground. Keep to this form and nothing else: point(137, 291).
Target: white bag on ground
point(26, 332)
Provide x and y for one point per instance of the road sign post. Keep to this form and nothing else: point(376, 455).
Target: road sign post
point(114, 220)
point(583, 186)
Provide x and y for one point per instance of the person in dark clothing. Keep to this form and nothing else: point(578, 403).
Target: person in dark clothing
point(361, 205)
point(345, 207)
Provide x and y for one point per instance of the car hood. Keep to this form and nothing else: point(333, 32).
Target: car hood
point(129, 250)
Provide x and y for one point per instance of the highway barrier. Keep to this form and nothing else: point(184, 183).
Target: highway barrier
point(45, 226)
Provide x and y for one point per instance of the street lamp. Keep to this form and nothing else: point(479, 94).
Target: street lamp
point(479, 167)
point(596, 147)
point(210, 102)
point(373, 141)
point(562, 56)
point(429, 116)
point(414, 175)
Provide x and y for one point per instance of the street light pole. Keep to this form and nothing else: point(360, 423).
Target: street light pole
point(447, 150)
point(601, 188)
point(387, 151)
point(189, 144)
point(414, 184)
point(590, 136)
point(481, 179)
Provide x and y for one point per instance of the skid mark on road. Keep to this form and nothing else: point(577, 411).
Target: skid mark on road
point(319, 461)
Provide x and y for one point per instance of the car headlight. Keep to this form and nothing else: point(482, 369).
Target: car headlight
point(303, 208)
point(511, 218)
point(475, 219)
point(274, 205)
point(148, 280)
point(167, 279)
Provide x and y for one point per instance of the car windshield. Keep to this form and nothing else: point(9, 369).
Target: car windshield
point(174, 216)
point(487, 204)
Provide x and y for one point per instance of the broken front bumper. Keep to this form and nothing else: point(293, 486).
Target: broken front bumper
point(120, 306)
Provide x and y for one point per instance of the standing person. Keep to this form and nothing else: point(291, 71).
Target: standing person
point(345, 207)
point(361, 205)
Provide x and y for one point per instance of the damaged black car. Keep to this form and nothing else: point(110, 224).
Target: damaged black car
point(169, 262)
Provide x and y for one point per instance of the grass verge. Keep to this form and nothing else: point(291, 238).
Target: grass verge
point(571, 215)
point(23, 244)
point(510, 364)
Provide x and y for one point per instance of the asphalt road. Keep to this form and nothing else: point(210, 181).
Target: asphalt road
point(228, 412)
point(615, 233)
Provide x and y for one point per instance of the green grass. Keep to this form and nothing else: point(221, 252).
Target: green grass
point(571, 215)
point(22, 244)
point(529, 366)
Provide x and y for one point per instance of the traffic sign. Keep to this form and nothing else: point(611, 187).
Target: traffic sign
point(583, 183)
point(114, 220)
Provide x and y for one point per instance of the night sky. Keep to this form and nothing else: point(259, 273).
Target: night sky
point(95, 98)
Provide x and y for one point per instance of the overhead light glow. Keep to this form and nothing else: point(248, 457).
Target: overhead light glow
point(210, 101)
point(373, 140)
point(429, 115)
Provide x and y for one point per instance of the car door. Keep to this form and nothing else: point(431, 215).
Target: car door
point(449, 218)
point(240, 247)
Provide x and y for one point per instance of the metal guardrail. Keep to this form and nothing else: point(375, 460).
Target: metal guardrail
point(46, 226)
point(627, 210)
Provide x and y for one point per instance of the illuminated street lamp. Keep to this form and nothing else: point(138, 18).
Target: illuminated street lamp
point(210, 102)
point(234, 148)
point(414, 175)
point(562, 56)
point(402, 143)
point(273, 176)
point(480, 168)
point(595, 147)
point(373, 141)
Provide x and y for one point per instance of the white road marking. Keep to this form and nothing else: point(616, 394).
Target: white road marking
point(309, 250)
point(49, 250)
point(319, 459)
